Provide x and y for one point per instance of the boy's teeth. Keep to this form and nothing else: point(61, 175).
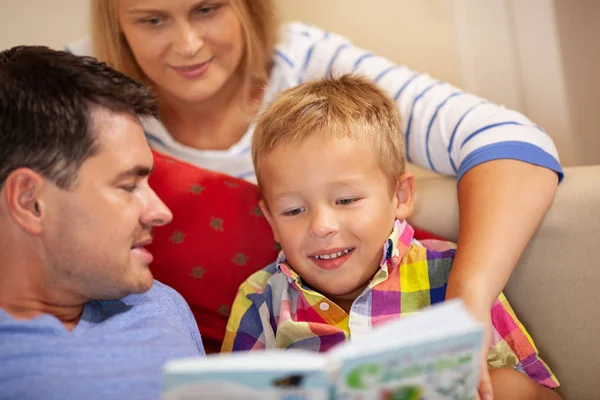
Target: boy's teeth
point(333, 255)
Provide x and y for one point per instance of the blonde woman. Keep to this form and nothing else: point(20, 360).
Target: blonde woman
point(214, 64)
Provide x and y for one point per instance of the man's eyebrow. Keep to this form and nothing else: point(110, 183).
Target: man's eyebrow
point(137, 171)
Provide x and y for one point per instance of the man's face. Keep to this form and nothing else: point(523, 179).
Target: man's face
point(94, 232)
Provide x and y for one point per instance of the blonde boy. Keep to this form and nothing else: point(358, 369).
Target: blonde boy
point(329, 157)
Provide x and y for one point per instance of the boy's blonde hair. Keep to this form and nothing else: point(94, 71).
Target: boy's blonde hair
point(348, 106)
point(258, 21)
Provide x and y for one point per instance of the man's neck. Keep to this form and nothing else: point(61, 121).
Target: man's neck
point(23, 294)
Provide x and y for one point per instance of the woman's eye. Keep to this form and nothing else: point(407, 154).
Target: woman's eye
point(152, 21)
point(205, 11)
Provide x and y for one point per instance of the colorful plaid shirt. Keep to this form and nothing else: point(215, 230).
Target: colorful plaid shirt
point(275, 309)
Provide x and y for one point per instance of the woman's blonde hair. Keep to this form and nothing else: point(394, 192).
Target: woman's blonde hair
point(350, 107)
point(258, 19)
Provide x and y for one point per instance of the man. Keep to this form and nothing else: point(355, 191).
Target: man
point(80, 314)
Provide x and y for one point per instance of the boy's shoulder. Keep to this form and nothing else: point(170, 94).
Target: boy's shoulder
point(259, 280)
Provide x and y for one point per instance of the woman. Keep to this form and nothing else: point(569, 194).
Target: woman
point(213, 64)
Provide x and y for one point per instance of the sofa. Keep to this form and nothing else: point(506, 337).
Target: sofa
point(554, 289)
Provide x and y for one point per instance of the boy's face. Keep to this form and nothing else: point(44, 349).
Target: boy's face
point(331, 209)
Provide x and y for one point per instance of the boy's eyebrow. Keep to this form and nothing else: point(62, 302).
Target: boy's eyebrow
point(346, 183)
point(342, 183)
point(282, 195)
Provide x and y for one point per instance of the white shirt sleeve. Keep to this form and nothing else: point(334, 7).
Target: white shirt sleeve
point(446, 130)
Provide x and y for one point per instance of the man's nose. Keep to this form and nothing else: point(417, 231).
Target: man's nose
point(156, 212)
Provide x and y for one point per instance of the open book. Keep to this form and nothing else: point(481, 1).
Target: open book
point(434, 354)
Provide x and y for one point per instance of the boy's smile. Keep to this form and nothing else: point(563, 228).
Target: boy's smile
point(331, 259)
point(332, 208)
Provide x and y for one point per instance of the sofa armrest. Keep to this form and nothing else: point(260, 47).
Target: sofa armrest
point(555, 287)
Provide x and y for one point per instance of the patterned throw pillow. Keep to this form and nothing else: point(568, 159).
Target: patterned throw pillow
point(217, 239)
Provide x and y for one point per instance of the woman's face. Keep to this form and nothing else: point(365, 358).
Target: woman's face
point(189, 49)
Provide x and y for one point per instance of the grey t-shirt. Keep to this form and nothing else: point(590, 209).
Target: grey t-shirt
point(116, 351)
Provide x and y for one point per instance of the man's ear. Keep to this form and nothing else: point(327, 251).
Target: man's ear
point(267, 214)
point(404, 193)
point(22, 195)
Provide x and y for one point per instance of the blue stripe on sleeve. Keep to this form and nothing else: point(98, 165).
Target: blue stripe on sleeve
point(453, 135)
point(385, 71)
point(361, 59)
point(284, 58)
point(335, 55)
point(68, 50)
point(511, 150)
point(294, 32)
point(410, 118)
point(487, 127)
point(431, 124)
point(399, 92)
point(306, 61)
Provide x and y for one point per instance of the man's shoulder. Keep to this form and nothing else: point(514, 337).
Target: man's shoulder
point(159, 296)
point(157, 291)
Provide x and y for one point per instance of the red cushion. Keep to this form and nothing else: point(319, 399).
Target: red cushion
point(217, 239)
point(421, 234)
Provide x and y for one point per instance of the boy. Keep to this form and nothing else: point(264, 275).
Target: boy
point(329, 157)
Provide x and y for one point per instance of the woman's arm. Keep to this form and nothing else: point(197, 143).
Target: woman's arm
point(501, 204)
point(446, 129)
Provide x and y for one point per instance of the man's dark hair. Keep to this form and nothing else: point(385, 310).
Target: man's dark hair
point(46, 101)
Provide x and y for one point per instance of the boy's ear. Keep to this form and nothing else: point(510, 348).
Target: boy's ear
point(22, 194)
point(404, 193)
point(267, 214)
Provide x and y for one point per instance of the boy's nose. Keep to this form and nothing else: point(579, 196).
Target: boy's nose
point(323, 224)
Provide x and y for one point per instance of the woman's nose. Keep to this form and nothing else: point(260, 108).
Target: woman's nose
point(188, 41)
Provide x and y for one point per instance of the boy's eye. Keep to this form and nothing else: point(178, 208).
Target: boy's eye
point(291, 213)
point(345, 202)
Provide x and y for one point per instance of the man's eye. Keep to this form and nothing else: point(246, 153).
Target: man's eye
point(293, 212)
point(130, 188)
